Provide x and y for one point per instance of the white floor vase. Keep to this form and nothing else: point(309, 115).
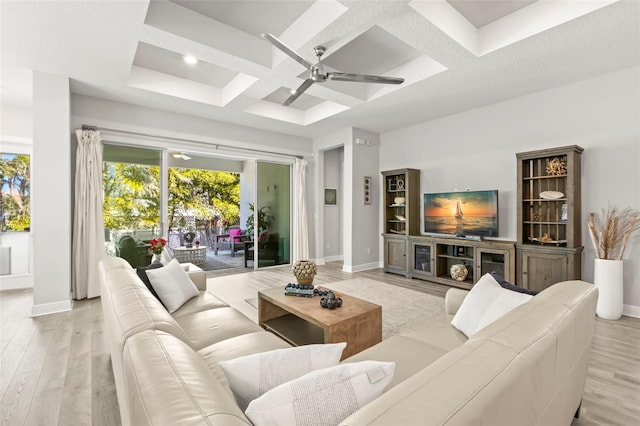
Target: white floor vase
point(607, 276)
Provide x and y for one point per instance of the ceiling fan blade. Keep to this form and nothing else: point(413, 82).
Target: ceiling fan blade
point(299, 91)
point(286, 49)
point(363, 78)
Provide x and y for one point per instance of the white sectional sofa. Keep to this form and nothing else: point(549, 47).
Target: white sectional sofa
point(527, 368)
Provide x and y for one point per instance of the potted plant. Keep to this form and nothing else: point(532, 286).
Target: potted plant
point(609, 240)
point(264, 219)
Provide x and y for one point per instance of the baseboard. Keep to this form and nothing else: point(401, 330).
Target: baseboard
point(631, 311)
point(334, 258)
point(51, 308)
point(359, 268)
point(16, 282)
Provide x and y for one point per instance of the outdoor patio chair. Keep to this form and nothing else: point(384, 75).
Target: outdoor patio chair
point(233, 241)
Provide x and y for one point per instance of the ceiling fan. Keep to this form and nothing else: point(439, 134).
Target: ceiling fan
point(317, 74)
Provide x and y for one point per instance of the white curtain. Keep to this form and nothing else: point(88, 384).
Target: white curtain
point(301, 226)
point(88, 225)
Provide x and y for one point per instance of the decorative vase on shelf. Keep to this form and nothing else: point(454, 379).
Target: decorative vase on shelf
point(607, 277)
point(157, 258)
point(304, 271)
point(459, 272)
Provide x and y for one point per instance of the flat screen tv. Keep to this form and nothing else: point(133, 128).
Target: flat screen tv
point(470, 213)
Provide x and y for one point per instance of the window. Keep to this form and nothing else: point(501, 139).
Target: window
point(131, 183)
point(15, 170)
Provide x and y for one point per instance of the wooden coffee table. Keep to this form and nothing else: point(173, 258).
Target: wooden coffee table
point(302, 321)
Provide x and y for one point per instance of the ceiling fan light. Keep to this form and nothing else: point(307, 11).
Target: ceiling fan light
point(190, 59)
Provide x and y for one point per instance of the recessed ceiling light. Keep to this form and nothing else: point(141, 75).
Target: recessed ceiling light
point(189, 59)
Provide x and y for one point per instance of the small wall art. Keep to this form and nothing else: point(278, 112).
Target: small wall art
point(367, 190)
point(330, 197)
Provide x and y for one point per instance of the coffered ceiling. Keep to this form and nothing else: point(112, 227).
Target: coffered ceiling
point(454, 55)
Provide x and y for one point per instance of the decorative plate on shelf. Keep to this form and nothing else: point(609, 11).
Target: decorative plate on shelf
point(551, 195)
point(400, 217)
point(546, 240)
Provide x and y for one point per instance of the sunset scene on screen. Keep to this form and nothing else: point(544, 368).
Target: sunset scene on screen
point(472, 205)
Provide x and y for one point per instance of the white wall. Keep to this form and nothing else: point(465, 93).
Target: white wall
point(477, 149)
point(339, 139)
point(365, 233)
point(359, 222)
point(17, 121)
point(51, 177)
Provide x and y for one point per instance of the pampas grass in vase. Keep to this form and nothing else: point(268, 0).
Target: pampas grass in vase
point(610, 237)
point(609, 240)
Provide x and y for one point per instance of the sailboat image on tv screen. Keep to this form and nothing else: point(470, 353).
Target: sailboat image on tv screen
point(458, 210)
point(469, 213)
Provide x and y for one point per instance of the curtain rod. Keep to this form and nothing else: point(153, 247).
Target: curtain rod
point(217, 145)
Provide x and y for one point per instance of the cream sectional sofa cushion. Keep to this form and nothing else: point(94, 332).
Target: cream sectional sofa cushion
point(130, 310)
point(527, 368)
point(169, 384)
point(214, 325)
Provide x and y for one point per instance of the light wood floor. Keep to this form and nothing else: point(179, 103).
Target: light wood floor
point(55, 369)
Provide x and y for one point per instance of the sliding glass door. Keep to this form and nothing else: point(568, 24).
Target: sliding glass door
point(273, 210)
point(132, 201)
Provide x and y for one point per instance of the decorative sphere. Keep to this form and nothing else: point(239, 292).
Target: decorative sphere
point(459, 272)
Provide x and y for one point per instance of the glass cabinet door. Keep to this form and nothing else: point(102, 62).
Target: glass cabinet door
point(421, 259)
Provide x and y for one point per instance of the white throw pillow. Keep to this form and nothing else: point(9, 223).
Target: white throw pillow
point(486, 302)
point(252, 375)
point(166, 256)
point(173, 285)
point(325, 396)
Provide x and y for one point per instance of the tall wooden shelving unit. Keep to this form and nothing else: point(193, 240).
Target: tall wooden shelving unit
point(401, 215)
point(549, 242)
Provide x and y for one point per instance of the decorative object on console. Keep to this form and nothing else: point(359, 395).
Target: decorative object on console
point(188, 239)
point(304, 290)
point(556, 167)
point(304, 271)
point(367, 190)
point(551, 195)
point(609, 243)
point(459, 272)
point(331, 299)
